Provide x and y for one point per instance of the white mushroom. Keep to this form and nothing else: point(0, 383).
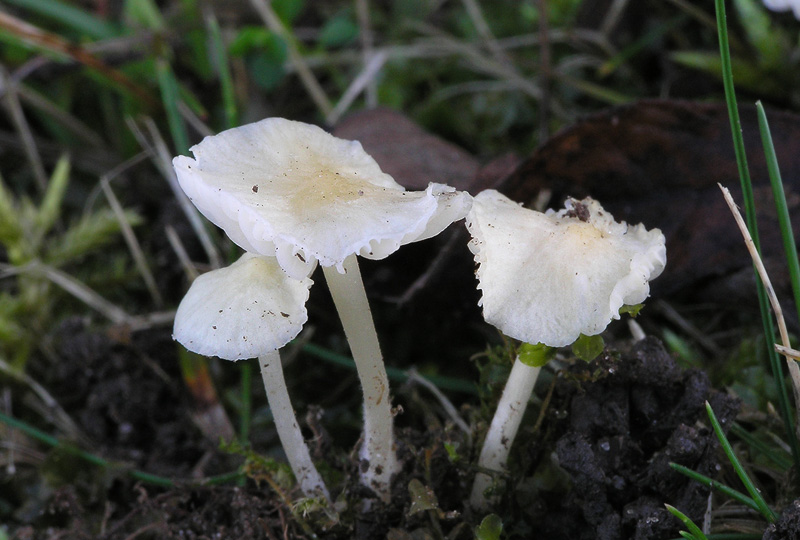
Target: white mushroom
point(251, 309)
point(548, 278)
point(784, 5)
point(291, 190)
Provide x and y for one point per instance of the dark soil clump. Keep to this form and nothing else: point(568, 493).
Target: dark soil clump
point(788, 526)
point(597, 468)
point(628, 417)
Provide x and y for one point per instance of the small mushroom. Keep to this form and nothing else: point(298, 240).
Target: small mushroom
point(548, 278)
point(290, 190)
point(784, 5)
point(246, 310)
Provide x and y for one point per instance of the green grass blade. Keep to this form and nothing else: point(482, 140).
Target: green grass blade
point(782, 210)
point(69, 16)
point(783, 461)
point(395, 374)
point(763, 508)
point(732, 536)
point(713, 484)
point(643, 43)
point(170, 98)
point(750, 217)
point(50, 208)
point(694, 531)
point(144, 477)
point(223, 67)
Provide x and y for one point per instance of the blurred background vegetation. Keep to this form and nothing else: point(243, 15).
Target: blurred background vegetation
point(97, 96)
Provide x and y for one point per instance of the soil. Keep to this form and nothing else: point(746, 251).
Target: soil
point(595, 468)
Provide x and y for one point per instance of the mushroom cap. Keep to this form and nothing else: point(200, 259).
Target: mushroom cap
point(288, 189)
point(784, 5)
point(550, 277)
point(242, 311)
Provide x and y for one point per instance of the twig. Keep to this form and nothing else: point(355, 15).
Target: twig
point(161, 157)
point(613, 16)
point(450, 409)
point(80, 291)
point(362, 81)
point(367, 50)
point(180, 251)
point(794, 369)
point(130, 237)
point(193, 120)
point(310, 82)
point(9, 91)
point(787, 351)
point(76, 126)
point(60, 416)
point(545, 76)
point(673, 316)
point(478, 20)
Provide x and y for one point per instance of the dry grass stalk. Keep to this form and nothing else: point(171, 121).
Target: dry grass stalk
point(794, 369)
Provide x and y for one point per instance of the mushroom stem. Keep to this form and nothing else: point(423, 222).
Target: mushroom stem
point(288, 431)
point(377, 450)
point(503, 430)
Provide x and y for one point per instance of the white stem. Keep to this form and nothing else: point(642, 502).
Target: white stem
point(378, 449)
point(288, 431)
point(503, 429)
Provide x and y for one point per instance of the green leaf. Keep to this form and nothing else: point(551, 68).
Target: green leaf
point(452, 452)
point(69, 16)
point(748, 75)
point(756, 22)
point(10, 223)
point(144, 13)
point(678, 345)
point(288, 10)
point(587, 348)
point(422, 497)
point(633, 311)
point(491, 528)
point(265, 54)
point(338, 31)
point(50, 209)
point(170, 97)
point(266, 71)
point(535, 355)
point(247, 39)
point(220, 56)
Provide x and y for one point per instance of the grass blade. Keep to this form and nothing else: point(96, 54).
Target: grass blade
point(763, 508)
point(69, 16)
point(170, 99)
point(781, 460)
point(694, 531)
point(782, 210)
point(750, 214)
point(713, 484)
point(395, 374)
point(223, 68)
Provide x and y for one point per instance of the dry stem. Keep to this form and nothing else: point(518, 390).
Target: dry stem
point(794, 369)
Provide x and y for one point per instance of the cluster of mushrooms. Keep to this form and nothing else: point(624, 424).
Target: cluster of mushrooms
point(293, 196)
